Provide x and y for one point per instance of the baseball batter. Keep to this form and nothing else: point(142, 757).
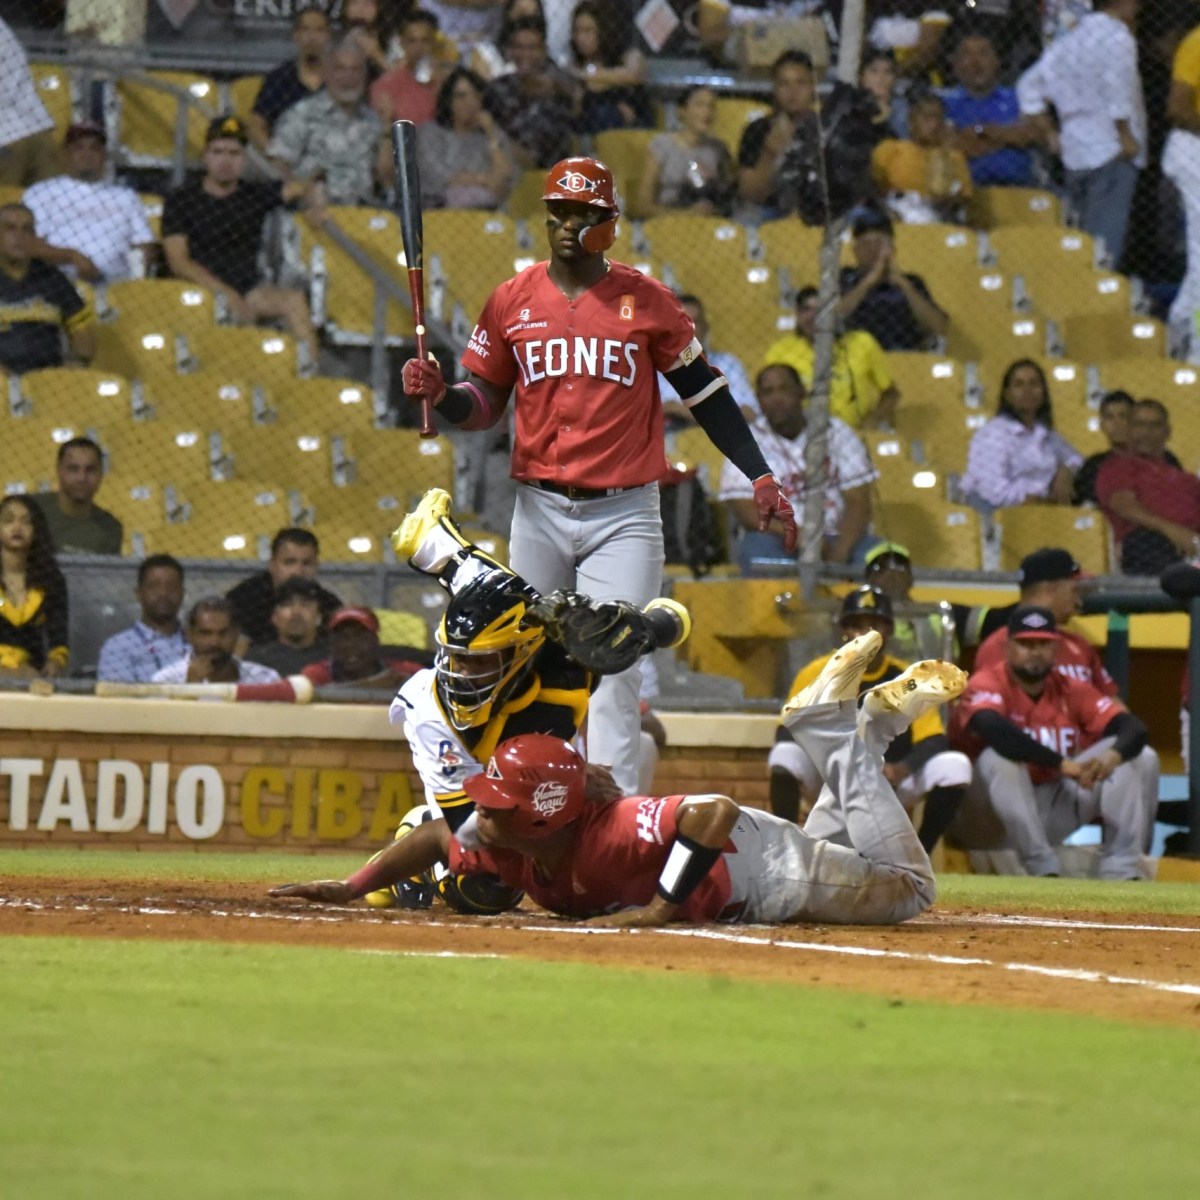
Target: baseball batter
point(1051, 754)
point(579, 341)
point(644, 861)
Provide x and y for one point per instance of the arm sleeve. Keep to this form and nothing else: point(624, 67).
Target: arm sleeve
point(722, 420)
point(74, 308)
point(1031, 91)
point(1011, 741)
point(751, 145)
point(1129, 734)
point(1124, 85)
point(57, 619)
point(173, 222)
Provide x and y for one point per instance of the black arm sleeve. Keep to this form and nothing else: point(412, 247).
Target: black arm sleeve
point(719, 416)
point(924, 750)
point(1011, 741)
point(57, 615)
point(1129, 734)
point(456, 406)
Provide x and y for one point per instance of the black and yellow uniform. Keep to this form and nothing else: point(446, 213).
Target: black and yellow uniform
point(34, 310)
point(36, 632)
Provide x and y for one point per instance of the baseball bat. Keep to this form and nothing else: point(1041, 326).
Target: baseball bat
point(412, 234)
point(296, 689)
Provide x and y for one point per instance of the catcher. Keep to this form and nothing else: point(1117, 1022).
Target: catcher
point(508, 662)
point(644, 861)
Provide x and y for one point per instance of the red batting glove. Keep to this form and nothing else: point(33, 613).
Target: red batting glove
point(423, 380)
point(771, 501)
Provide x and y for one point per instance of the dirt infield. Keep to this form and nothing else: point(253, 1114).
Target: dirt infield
point(1125, 967)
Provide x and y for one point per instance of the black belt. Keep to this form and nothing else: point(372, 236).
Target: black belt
point(580, 493)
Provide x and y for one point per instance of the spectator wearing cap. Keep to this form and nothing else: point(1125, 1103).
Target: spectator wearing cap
point(156, 639)
point(356, 656)
point(893, 306)
point(1152, 505)
point(1018, 457)
point(334, 136)
point(39, 306)
point(85, 226)
point(782, 435)
point(28, 152)
point(77, 523)
point(212, 638)
point(1051, 753)
point(919, 763)
point(294, 552)
point(294, 80)
point(986, 116)
point(861, 390)
point(888, 567)
point(296, 620)
point(212, 232)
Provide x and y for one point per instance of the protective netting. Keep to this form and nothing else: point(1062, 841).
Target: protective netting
point(201, 273)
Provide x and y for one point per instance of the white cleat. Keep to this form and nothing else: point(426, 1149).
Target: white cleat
point(840, 676)
point(923, 686)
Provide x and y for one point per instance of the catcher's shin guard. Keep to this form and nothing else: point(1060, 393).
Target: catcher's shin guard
point(417, 891)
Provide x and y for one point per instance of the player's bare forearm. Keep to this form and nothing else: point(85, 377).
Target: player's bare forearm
point(649, 916)
point(707, 820)
point(426, 845)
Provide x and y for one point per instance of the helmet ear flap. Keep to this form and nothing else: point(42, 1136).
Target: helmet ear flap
point(595, 239)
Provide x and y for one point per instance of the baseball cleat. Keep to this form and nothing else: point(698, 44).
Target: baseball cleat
point(923, 686)
point(840, 677)
point(415, 527)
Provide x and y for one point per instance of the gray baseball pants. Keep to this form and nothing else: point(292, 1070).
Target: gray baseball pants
point(609, 548)
point(858, 860)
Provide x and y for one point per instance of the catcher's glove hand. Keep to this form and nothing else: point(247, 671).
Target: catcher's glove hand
point(604, 637)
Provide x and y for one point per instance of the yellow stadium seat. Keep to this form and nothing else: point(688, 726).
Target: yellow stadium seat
point(1174, 383)
point(992, 207)
point(149, 115)
point(732, 117)
point(146, 350)
point(209, 538)
point(744, 311)
point(73, 394)
point(977, 302)
point(625, 151)
point(525, 200)
point(174, 304)
point(1096, 338)
point(11, 193)
point(262, 356)
point(474, 251)
point(362, 539)
point(400, 628)
point(349, 292)
point(1067, 380)
point(792, 244)
point(139, 504)
point(31, 442)
point(286, 456)
point(399, 462)
point(927, 379)
point(693, 447)
point(153, 205)
point(1030, 527)
point(490, 543)
point(942, 433)
point(209, 397)
point(942, 535)
point(160, 452)
point(1010, 336)
point(934, 251)
point(241, 94)
point(704, 253)
point(53, 85)
point(325, 404)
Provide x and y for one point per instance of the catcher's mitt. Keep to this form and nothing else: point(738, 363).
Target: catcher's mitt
point(603, 637)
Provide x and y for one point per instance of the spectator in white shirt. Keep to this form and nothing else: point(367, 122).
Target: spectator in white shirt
point(729, 365)
point(212, 634)
point(27, 147)
point(783, 437)
point(84, 225)
point(1090, 76)
point(1017, 457)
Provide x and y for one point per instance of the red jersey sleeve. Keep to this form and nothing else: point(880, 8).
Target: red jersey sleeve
point(1092, 709)
point(987, 691)
point(508, 866)
point(487, 353)
point(673, 328)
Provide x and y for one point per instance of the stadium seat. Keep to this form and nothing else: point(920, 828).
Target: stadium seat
point(11, 193)
point(263, 356)
point(626, 151)
point(54, 89)
point(942, 535)
point(74, 394)
point(938, 434)
point(1029, 527)
point(148, 452)
point(933, 251)
point(930, 379)
point(146, 350)
point(977, 303)
point(355, 539)
point(473, 250)
point(399, 462)
point(732, 116)
point(174, 304)
point(1174, 383)
point(525, 200)
point(333, 405)
point(1067, 380)
point(148, 116)
point(240, 94)
point(30, 449)
point(1096, 338)
point(693, 448)
point(153, 204)
point(744, 311)
point(400, 628)
point(490, 543)
point(993, 207)
point(281, 455)
point(704, 253)
point(203, 538)
point(892, 458)
point(209, 398)
point(140, 505)
point(792, 244)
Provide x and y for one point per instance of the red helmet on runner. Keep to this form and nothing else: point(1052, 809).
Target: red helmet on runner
point(587, 181)
point(538, 778)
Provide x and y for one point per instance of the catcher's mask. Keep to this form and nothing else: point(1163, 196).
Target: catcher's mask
point(484, 647)
point(538, 780)
point(587, 181)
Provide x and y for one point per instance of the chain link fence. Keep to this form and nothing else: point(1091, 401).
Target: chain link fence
point(201, 274)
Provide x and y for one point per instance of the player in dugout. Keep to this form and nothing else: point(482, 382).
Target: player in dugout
point(644, 861)
point(578, 341)
point(509, 661)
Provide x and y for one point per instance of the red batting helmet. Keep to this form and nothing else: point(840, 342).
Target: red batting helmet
point(538, 778)
point(587, 181)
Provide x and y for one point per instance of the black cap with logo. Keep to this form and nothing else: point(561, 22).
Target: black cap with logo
point(866, 601)
point(1048, 566)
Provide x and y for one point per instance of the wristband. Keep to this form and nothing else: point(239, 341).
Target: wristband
point(687, 864)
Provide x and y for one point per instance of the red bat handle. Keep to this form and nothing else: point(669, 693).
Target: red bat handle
point(416, 289)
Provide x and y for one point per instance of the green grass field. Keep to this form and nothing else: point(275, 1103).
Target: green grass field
point(181, 1070)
